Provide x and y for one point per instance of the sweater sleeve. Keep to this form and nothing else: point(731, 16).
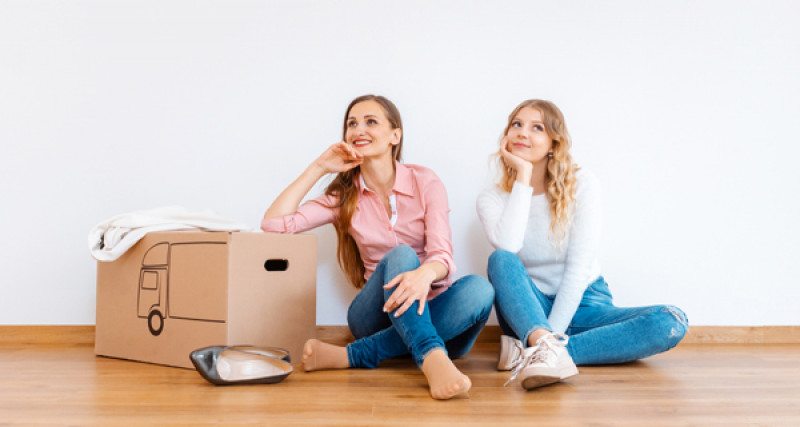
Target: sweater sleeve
point(505, 221)
point(581, 254)
point(309, 215)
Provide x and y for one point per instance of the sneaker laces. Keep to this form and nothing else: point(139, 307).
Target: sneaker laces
point(543, 351)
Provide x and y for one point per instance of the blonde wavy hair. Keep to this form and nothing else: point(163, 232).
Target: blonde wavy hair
point(560, 177)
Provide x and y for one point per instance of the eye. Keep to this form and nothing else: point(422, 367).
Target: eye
point(538, 127)
point(372, 122)
point(351, 124)
point(515, 124)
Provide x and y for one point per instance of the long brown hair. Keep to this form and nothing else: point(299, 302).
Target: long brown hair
point(560, 177)
point(343, 187)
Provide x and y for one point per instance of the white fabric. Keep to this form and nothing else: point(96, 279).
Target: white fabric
point(520, 223)
point(392, 201)
point(393, 205)
point(112, 237)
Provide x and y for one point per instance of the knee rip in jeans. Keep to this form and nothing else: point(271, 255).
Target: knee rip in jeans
point(680, 316)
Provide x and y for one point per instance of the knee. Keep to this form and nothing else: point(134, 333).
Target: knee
point(669, 325)
point(501, 256)
point(401, 255)
point(481, 292)
point(502, 260)
point(401, 252)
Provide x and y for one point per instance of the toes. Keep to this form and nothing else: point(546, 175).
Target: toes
point(460, 386)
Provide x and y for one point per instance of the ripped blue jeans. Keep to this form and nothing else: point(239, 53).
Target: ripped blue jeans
point(600, 333)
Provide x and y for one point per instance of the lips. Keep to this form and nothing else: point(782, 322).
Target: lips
point(361, 142)
point(520, 145)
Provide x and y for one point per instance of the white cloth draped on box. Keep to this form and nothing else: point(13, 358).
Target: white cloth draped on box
point(112, 237)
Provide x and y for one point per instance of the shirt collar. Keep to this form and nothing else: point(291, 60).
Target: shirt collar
point(402, 180)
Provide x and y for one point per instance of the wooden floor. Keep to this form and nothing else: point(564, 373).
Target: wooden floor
point(694, 384)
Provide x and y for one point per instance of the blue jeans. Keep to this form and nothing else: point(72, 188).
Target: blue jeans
point(600, 333)
point(451, 321)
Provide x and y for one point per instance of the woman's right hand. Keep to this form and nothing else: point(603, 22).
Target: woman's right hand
point(339, 157)
point(523, 167)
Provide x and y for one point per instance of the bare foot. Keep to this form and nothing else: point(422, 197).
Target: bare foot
point(318, 355)
point(444, 379)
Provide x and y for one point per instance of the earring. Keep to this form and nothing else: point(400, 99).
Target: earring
point(550, 155)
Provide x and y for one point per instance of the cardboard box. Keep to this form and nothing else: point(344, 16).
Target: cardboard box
point(174, 292)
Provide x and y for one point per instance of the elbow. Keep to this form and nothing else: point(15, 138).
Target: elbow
point(513, 248)
point(507, 245)
point(265, 224)
point(273, 225)
point(511, 242)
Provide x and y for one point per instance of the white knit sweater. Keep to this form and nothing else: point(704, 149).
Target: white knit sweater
point(520, 223)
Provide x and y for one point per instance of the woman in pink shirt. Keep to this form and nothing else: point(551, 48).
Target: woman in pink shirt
point(394, 244)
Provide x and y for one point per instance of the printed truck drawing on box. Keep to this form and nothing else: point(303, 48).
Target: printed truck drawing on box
point(183, 281)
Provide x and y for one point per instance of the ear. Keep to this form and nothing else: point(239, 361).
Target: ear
point(396, 135)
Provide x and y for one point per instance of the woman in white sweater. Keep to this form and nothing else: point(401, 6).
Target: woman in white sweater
point(552, 303)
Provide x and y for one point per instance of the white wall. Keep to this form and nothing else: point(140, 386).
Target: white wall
point(685, 110)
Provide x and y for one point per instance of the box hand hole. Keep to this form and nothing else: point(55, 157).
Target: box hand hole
point(276, 265)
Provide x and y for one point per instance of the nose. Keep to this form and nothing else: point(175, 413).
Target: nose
point(356, 131)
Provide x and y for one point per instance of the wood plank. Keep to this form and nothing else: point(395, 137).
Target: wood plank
point(694, 384)
point(697, 334)
point(47, 334)
point(339, 334)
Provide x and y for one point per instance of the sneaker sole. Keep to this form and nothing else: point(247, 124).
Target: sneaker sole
point(535, 381)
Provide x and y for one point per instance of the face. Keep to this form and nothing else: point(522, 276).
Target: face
point(369, 130)
point(527, 136)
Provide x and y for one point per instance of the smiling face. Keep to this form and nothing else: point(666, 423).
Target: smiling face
point(527, 136)
point(369, 130)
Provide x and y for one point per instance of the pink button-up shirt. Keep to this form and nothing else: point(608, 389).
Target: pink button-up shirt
point(419, 220)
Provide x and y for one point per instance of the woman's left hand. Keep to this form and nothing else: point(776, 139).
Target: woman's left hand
point(412, 286)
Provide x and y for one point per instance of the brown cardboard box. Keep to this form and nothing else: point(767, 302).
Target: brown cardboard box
point(174, 292)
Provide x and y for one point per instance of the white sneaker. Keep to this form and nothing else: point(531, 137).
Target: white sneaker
point(546, 363)
point(512, 353)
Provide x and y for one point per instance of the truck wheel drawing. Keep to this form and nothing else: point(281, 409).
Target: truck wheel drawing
point(155, 322)
point(182, 281)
